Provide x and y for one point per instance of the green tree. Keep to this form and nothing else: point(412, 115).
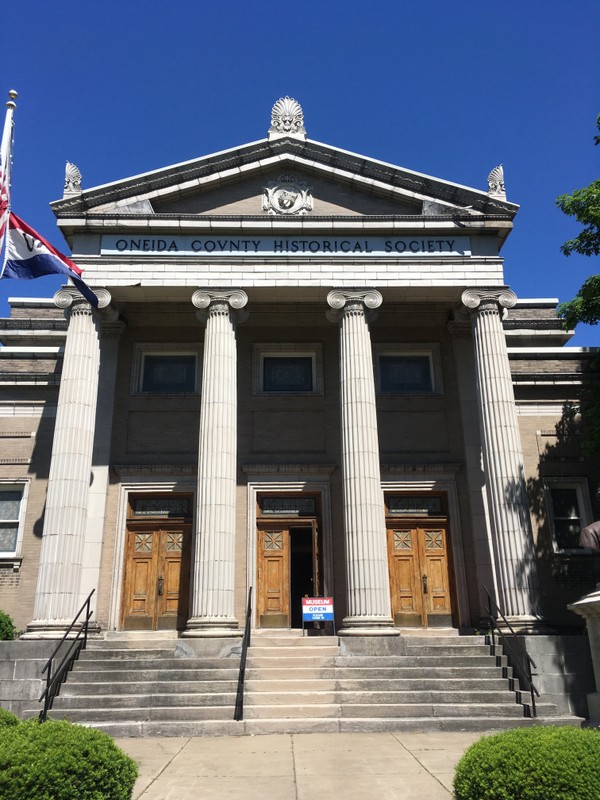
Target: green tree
point(584, 205)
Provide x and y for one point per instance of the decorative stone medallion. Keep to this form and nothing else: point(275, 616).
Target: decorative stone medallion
point(287, 195)
point(287, 116)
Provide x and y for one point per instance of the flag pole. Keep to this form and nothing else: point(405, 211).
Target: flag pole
point(6, 169)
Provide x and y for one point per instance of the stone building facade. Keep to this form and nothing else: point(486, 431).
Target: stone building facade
point(306, 375)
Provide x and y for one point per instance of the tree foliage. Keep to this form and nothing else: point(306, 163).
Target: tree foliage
point(584, 205)
point(585, 306)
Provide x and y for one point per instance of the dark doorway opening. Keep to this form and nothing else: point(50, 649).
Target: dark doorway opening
point(302, 571)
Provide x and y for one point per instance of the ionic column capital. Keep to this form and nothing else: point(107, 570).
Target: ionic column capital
point(482, 299)
point(360, 302)
point(215, 302)
point(70, 299)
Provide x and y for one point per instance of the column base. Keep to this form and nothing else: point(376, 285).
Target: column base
point(368, 626)
point(56, 629)
point(206, 627)
point(594, 710)
point(525, 624)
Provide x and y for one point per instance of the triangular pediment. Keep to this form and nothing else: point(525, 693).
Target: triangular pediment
point(251, 180)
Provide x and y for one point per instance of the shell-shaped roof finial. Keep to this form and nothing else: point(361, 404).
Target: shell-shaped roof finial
point(72, 180)
point(287, 119)
point(496, 182)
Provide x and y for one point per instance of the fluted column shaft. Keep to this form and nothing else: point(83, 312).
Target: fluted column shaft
point(508, 508)
point(61, 557)
point(214, 555)
point(367, 573)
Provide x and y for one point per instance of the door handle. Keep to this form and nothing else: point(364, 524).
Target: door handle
point(425, 587)
point(159, 588)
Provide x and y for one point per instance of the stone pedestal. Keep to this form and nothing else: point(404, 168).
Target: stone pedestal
point(589, 608)
point(213, 586)
point(367, 572)
point(58, 593)
point(508, 507)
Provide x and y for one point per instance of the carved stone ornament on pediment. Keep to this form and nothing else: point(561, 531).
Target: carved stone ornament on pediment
point(287, 195)
point(496, 182)
point(287, 118)
point(72, 180)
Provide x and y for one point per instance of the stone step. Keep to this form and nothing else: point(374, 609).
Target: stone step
point(403, 710)
point(137, 676)
point(76, 688)
point(299, 711)
point(356, 673)
point(132, 662)
point(442, 652)
point(150, 700)
point(255, 727)
point(317, 697)
point(89, 716)
point(447, 660)
point(294, 662)
point(260, 640)
point(293, 651)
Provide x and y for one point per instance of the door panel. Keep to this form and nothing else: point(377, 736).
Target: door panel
point(156, 579)
point(273, 577)
point(287, 569)
point(419, 575)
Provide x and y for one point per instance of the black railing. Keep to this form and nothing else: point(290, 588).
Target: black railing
point(520, 662)
point(239, 697)
point(56, 676)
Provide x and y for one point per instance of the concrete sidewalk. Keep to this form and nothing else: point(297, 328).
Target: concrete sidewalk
point(352, 766)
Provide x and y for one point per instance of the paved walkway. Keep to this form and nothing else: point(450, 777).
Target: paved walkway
point(350, 766)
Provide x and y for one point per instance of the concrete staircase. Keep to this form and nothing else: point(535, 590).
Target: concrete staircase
point(296, 684)
point(141, 688)
point(405, 683)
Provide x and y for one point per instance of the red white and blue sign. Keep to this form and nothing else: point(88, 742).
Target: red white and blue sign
point(317, 609)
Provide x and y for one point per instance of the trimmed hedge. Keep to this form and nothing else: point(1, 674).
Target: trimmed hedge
point(541, 763)
point(7, 627)
point(57, 760)
point(8, 719)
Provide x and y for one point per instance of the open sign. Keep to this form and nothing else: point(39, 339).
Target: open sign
point(317, 609)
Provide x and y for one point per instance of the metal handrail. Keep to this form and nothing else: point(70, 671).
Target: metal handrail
point(55, 678)
point(521, 663)
point(239, 697)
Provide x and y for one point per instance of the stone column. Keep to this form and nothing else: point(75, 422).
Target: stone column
point(589, 608)
point(214, 554)
point(508, 507)
point(112, 329)
point(367, 572)
point(63, 537)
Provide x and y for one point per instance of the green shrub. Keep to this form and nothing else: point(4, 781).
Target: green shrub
point(7, 627)
point(58, 760)
point(8, 719)
point(541, 763)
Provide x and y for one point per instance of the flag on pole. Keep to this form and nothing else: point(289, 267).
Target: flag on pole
point(29, 255)
point(5, 165)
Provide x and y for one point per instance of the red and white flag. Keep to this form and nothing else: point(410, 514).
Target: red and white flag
point(5, 167)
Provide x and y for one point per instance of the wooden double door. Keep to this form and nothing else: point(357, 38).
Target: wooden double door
point(288, 570)
point(420, 573)
point(156, 579)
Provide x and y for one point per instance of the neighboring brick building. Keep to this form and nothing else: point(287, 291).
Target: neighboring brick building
point(300, 379)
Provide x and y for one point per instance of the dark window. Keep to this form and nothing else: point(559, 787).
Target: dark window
point(405, 373)
point(10, 504)
point(414, 504)
point(566, 516)
point(287, 374)
point(169, 373)
point(161, 506)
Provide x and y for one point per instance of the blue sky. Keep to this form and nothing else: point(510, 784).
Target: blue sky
point(449, 89)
